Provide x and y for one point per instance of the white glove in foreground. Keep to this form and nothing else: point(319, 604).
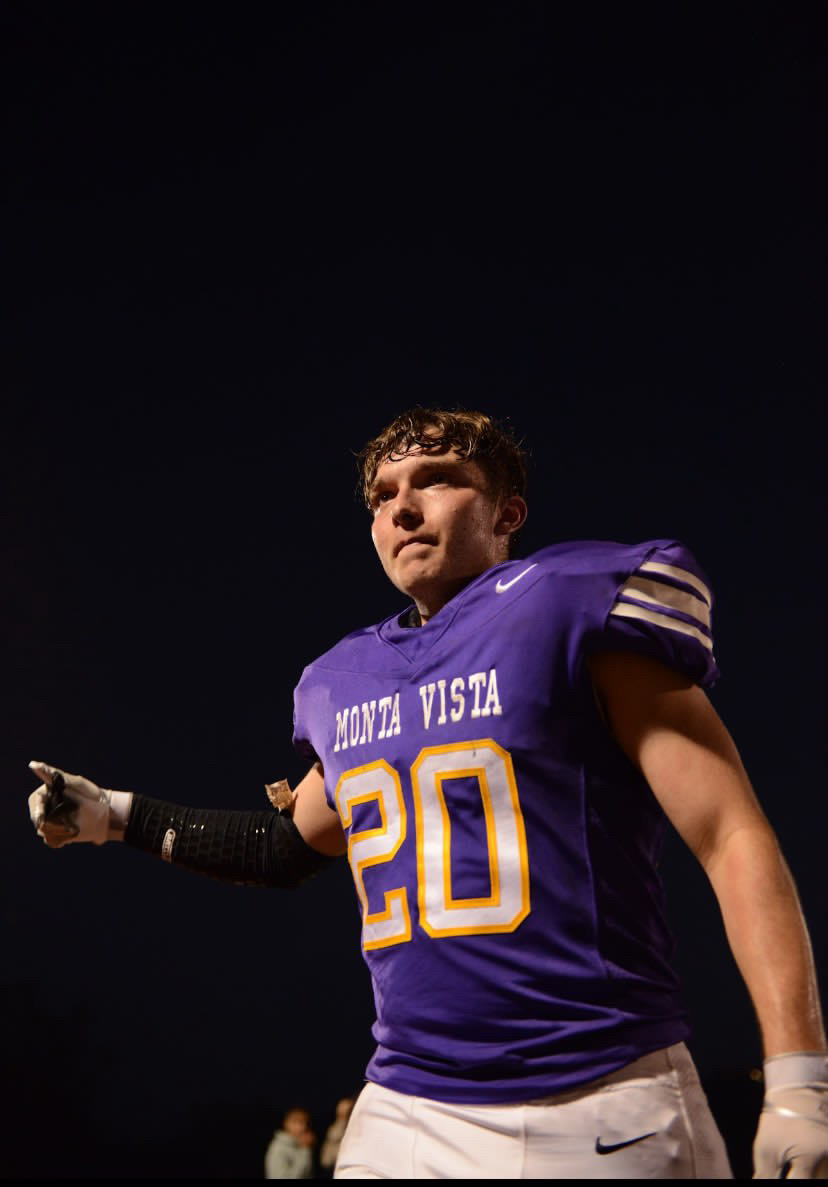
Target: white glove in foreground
point(792, 1136)
point(88, 813)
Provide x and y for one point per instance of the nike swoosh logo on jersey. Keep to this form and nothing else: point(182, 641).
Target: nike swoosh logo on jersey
point(502, 586)
point(600, 1148)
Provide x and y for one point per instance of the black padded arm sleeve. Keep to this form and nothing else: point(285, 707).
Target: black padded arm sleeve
point(248, 848)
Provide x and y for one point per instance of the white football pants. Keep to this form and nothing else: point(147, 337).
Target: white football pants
point(650, 1120)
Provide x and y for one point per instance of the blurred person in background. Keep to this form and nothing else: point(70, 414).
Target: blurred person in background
point(333, 1136)
point(290, 1152)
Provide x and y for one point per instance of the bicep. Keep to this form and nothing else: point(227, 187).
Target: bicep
point(668, 728)
point(319, 825)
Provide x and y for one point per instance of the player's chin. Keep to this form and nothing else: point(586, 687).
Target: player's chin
point(411, 589)
point(425, 592)
point(410, 572)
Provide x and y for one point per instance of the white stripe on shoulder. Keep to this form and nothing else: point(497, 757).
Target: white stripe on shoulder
point(680, 575)
point(627, 610)
point(659, 593)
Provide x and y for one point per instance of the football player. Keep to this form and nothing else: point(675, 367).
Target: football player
point(498, 763)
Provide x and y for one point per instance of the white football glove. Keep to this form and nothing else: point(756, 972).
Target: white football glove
point(67, 808)
point(792, 1135)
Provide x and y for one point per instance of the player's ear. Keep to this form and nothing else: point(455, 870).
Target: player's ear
point(512, 515)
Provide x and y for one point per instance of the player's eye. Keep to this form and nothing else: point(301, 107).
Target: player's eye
point(379, 497)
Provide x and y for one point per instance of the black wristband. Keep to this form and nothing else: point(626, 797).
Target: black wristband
point(247, 848)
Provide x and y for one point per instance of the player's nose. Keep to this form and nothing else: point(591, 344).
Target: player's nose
point(406, 511)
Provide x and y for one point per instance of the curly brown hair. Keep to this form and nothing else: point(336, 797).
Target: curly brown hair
point(474, 435)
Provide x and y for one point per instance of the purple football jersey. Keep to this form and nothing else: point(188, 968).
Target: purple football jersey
point(504, 850)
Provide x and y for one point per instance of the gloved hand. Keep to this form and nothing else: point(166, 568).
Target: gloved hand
point(792, 1136)
point(78, 810)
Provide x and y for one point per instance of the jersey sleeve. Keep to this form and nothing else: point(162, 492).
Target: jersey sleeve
point(663, 609)
point(309, 706)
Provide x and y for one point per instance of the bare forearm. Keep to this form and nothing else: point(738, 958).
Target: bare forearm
point(769, 938)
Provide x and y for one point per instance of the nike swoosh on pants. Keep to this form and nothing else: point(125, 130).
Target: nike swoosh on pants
point(600, 1148)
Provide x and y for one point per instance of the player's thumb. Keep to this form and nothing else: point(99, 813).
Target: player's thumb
point(44, 771)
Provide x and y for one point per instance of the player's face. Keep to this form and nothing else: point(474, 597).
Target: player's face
point(435, 527)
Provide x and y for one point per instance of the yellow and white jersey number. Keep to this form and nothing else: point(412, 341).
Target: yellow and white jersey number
point(503, 853)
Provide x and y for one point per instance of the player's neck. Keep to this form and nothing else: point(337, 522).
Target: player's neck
point(427, 607)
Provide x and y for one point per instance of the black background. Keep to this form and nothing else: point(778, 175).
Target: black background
point(237, 240)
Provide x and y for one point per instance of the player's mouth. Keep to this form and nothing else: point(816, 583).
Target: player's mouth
point(413, 540)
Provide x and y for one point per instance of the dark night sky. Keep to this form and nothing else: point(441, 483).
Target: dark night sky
point(236, 241)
